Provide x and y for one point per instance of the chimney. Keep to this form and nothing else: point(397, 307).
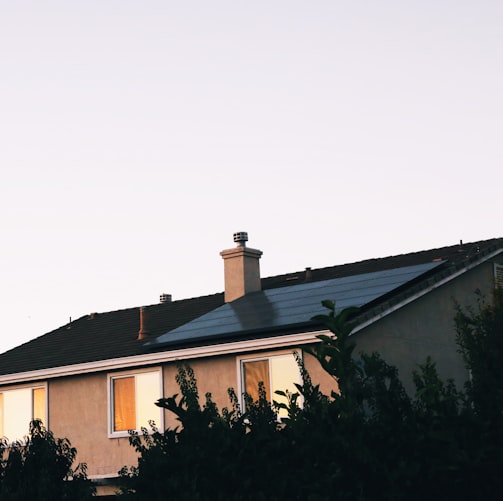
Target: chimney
point(241, 268)
point(165, 298)
point(143, 324)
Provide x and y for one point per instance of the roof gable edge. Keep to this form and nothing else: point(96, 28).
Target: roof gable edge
point(425, 291)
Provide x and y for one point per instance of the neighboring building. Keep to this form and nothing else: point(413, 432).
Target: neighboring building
point(94, 378)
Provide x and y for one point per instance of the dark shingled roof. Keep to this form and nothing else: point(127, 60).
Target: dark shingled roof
point(103, 336)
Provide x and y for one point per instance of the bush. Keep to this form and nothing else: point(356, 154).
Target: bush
point(40, 469)
point(369, 441)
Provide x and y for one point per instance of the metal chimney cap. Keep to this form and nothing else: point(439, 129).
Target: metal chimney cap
point(241, 237)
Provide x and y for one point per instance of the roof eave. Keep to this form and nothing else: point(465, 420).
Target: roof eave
point(156, 358)
point(430, 287)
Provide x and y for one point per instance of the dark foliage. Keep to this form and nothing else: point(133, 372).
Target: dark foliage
point(368, 441)
point(40, 469)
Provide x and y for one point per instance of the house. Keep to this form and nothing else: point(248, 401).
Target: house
point(99, 376)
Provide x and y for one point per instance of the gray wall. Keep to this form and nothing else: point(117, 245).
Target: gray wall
point(425, 327)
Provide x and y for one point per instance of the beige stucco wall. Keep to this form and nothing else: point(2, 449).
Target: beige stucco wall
point(217, 374)
point(425, 327)
point(78, 411)
point(214, 375)
point(78, 408)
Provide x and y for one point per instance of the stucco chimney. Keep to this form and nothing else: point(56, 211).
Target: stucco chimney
point(241, 268)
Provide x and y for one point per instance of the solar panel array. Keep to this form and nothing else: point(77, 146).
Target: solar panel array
point(290, 306)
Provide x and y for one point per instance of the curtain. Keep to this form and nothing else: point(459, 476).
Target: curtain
point(124, 404)
point(255, 372)
point(39, 404)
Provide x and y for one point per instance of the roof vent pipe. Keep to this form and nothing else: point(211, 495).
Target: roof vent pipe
point(143, 333)
point(241, 237)
point(309, 274)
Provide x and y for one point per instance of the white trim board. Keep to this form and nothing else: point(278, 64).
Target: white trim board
point(146, 359)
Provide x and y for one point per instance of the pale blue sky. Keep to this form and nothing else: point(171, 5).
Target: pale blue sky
point(136, 137)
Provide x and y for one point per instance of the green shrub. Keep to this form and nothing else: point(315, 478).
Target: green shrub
point(370, 441)
point(40, 469)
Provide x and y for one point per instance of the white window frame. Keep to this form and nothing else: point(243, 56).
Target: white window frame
point(265, 356)
point(31, 387)
point(110, 402)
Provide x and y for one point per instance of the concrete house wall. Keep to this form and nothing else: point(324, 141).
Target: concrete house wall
point(78, 409)
point(425, 327)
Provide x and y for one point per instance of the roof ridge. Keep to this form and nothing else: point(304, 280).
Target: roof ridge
point(287, 276)
point(461, 247)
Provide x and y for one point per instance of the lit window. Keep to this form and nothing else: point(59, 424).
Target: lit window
point(18, 408)
point(132, 401)
point(277, 372)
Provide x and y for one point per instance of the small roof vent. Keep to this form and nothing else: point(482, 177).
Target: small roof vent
point(165, 298)
point(498, 276)
point(241, 237)
point(309, 274)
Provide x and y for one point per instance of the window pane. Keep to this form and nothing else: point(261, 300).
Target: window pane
point(39, 404)
point(17, 413)
point(285, 372)
point(255, 372)
point(124, 404)
point(148, 387)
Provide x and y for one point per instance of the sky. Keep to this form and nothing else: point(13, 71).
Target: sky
point(137, 137)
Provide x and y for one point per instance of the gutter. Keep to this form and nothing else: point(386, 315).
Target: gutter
point(232, 348)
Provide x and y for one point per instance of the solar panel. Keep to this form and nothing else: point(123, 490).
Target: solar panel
point(290, 306)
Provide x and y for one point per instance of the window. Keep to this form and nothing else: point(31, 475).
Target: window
point(132, 401)
point(277, 372)
point(20, 406)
